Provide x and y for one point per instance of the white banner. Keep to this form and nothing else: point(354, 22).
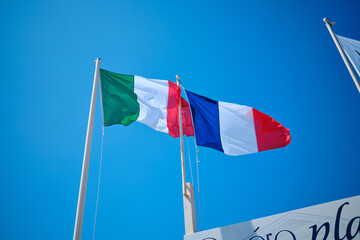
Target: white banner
point(338, 220)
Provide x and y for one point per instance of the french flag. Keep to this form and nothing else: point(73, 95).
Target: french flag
point(234, 129)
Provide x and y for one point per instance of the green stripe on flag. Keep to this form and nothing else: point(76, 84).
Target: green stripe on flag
point(119, 99)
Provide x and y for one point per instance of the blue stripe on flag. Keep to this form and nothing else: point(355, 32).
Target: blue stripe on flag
point(205, 113)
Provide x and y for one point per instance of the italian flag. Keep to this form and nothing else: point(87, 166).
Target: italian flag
point(155, 103)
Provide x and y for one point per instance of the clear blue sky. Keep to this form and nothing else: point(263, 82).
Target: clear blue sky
point(276, 56)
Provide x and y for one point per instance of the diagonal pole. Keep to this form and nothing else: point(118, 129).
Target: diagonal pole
point(85, 167)
point(328, 25)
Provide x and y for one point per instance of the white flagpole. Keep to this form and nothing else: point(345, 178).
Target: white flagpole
point(85, 167)
point(181, 143)
point(328, 25)
point(188, 188)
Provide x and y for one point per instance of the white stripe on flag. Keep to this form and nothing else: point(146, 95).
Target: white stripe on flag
point(152, 96)
point(352, 50)
point(237, 130)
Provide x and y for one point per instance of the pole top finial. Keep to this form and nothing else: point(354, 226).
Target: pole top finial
point(326, 20)
point(177, 77)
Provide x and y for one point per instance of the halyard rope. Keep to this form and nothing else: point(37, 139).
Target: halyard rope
point(98, 190)
point(188, 150)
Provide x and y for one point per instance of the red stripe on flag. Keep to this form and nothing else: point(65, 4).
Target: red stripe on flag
point(188, 127)
point(173, 109)
point(269, 133)
point(173, 113)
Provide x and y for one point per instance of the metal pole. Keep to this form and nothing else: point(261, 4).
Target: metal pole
point(181, 143)
point(189, 210)
point(328, 25)
point(188, 188)
point(85, 167)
